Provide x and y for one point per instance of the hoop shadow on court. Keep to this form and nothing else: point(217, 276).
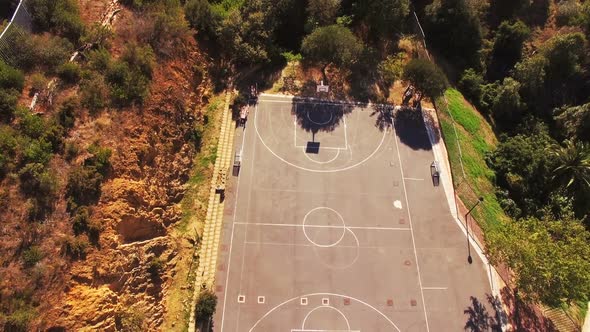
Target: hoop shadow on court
point(319, 117)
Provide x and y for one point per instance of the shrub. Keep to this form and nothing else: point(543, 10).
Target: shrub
point(69, 72)
point(99, 59)
point(37, 151)
point(30, 124)
point(94, 92)
point(60, 16)
point(8, 147)
point(8, 104)
point(51, 51)
point(471, 85)
point(83, 187)
point(36, 180)
point(100, 158)
point(198, 14)
point(127, 85)
point(11, 78)
point(32, 256)
point(38, 82)
point(155, 267)
point(71, 150)
point(80, 220)
point(206, 304)
point(75, 247)
point(66, 115)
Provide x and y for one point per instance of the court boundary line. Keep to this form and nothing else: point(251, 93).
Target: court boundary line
point(231, 241)
point(401, 169)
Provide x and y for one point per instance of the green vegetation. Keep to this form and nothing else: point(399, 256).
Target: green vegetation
point(205, 307)
point(332, 44)
point(476, 140)
point(426, 77)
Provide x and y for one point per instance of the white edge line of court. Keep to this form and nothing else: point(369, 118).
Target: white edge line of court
point(401, 169)
point(435, 288)
point(231, 241)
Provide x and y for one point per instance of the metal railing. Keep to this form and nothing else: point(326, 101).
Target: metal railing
point(20, 23)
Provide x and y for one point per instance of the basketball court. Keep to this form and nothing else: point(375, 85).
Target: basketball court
point(334, 224)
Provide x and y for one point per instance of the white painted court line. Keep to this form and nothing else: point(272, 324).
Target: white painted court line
point(376, 228)
point(231, 241)
point(435, 288)
point(325, 294)
point(413, 179)
point(401, 169)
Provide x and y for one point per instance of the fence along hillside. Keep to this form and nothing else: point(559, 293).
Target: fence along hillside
point(20, 23)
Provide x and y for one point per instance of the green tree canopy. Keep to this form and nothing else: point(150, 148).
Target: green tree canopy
point(385, 18)
point(453, 28)
point(206, 304)
point(549, 258)
point(507, 49)
point(322, 12)
point(574, 122)
point(333, 44)
point(426, 77)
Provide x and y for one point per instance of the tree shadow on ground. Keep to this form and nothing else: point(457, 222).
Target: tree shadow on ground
point(411, 130)
point(320, 116)
point(384, 113)
point(525, 316)
point(480, 320)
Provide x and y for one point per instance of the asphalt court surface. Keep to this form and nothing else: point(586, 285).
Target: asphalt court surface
point(334, 224)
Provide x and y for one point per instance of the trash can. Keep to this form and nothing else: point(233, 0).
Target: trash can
point(435, 173)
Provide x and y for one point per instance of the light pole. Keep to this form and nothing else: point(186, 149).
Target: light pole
point(469, 259)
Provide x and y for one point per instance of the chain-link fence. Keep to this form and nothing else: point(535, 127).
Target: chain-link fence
point(20, 23)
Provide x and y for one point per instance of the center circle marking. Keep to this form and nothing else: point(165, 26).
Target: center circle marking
point(319, 226)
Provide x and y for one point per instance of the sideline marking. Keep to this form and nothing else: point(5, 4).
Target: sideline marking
point(231, 241)
point(401, 169)
point(413, 179)
point(309, 169)
point(325, 294)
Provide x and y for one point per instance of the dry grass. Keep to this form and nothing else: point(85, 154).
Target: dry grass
point(194, 209)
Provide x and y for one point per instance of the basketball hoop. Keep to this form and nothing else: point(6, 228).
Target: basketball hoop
point(322, 88)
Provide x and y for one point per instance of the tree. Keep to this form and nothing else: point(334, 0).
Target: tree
point(507, 107)
point(507, 49)
point(322, 12)
point(391, 68)
point(471, 85)
point(385, 18)
point(574, 122)
point(206, 304)
point(549, 258)
point(453, 28)
point(332, 44)
point(523, 167)
point(572, 169)
point(198, 14)
point(426, 77)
